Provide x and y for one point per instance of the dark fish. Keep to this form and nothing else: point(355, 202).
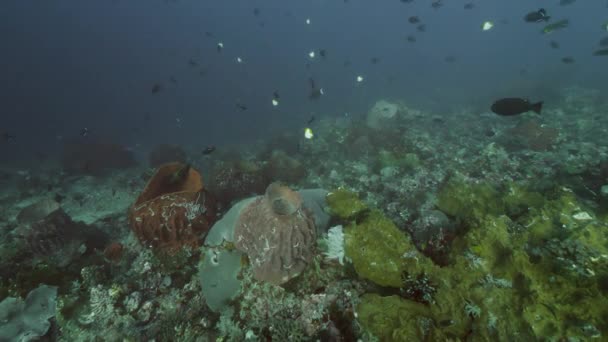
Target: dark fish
point(84, 132)
point(315, 93)
point(208, 34)
point(437, 4)
point(241, 106)
point(515, 106)
point(537, 16)
point(413, 19)
point(469, 6)
point(275, 95)
point(407, 1)
point(421, 28)
point(323, 53)
point(311, 120)
point(179, 175)
point(256, 11)
point(346, 63)
point(604, 41)
point(553, 44)
point(156, 87)
point(173, 80)
point(411, 39)
point(602, 52)
point(208, 150)
point(192, 62)
point(566, 2)
point(568, 60)
point(374, 60)
point(450, 59)
point(11, 139)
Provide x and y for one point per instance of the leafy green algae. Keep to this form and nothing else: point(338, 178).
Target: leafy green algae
point(394, 319)
point(380, 252)
point(555, 292)
point(407, 161)
point(345, 204)
point(469, 201)
point(505, 281)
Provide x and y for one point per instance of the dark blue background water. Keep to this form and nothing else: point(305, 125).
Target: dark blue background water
point(66, 65)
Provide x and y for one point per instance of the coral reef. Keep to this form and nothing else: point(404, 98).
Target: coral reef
point(459, 226)
point(382, 114)
point(28, 320)
point(277, 234)
point(282, 167)
point(237, 180)
point(96, 158)
point(173, 210)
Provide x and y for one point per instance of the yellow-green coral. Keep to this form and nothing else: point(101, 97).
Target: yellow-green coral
point(380, 252)
point(395, 319)
point(345, 204)
point(528, 268)
point(469, 201)
point(407, 161)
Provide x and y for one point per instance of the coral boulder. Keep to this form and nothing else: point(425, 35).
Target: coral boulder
point(174, 210)
point(277, 234)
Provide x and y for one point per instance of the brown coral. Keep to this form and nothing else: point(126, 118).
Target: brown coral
point(174, 210)
point(113, 252)
point(236, 180)
point(284, 168)
point(277, 234)
point(534, 136)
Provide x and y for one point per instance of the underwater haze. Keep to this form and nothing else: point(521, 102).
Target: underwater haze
point(73, 64)
point(323, 170)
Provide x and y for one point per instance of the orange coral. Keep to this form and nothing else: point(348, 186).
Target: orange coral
point(174, 210)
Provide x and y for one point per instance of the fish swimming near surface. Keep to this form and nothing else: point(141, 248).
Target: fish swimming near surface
point(602, 52)
point(553, 44)
point(9, 138)
point(208, 150)
point(514, 106)
point(315, 93)
point(156, 87)
point(413, 19)
point(537, 16)
point(568, 60)
point(555, 26)
point(603, 41)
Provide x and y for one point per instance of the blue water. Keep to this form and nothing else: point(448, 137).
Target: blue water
point(72, 64)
